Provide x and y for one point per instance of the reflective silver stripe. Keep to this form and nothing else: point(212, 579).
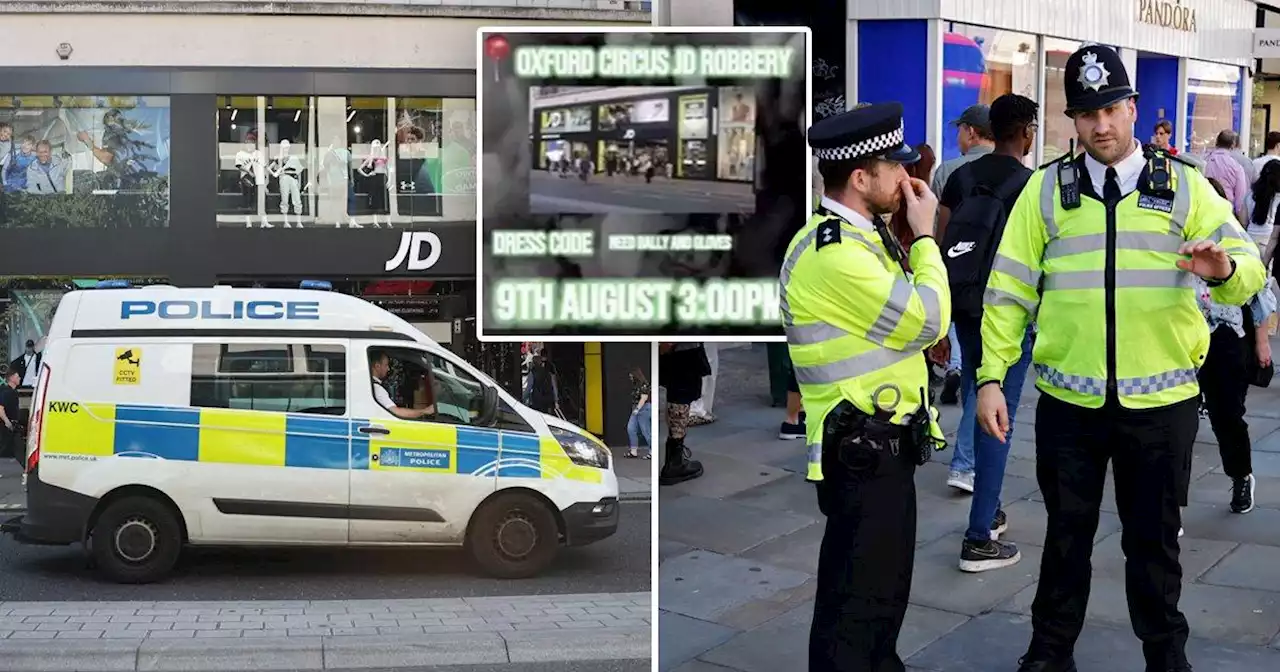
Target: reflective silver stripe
point(1049, 199)
point(999, 297)
point(817, 332)
point(891, 313)
point(789, 265)
point(1125, 279)
point(852, 367)
point(931, 330)
point(1124, 386)
point(1181, 201)
point(1017, 270)
point(815, 453)
point(1229, 230)
point(1125, 240)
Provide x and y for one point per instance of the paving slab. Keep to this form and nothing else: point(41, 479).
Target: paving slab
point(1228, 615)
point(707, 586)
point(938, 582)
point(798, 550)
point(275, 653)
point(724, 526)
point(1215, 521)
point(1247, 566)
point(785, 494)
point(559, 645)
point(683, 638)
point(668, 548)
point(99, 656)
point(723, 476)
point(753, 444)
point(1215, 488)
point(780, 644)
point(1196, 556)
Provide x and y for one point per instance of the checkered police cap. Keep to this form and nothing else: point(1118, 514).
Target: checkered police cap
point(867, 131)
point(873, 146)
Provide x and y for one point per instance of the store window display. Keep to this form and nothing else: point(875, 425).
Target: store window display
point(1213, 103)
point(358, 162)
point(737, 141)
point(980, 65)
point(1058, 130)
point(84, 161)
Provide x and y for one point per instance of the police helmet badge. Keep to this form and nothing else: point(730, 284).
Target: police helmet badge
point(1093, 75)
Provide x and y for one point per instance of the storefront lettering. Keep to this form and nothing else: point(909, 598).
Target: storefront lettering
point(1167, 14)
point(410, 253)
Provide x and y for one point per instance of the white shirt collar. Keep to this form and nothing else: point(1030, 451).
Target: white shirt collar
point(847, 214)
point(1127, 171)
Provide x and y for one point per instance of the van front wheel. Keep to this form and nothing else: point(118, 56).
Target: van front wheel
point(136, 540)
point(514, 536)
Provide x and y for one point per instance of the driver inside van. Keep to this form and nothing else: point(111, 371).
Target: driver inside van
point(380, 366)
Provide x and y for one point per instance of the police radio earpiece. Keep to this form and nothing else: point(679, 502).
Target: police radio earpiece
point(1068, 185)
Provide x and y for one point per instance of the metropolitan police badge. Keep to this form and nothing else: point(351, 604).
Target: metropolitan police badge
point(1093, 75)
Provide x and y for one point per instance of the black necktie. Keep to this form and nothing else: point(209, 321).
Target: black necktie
point(1111, 192)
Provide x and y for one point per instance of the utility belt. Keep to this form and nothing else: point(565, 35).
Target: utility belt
point(292, 173)
point(853, 434)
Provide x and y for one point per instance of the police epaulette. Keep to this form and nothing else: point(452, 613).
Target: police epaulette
point(1060, 159)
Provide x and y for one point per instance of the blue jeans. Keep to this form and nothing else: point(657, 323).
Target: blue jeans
point(638, 426)
point(962, 456)
point(956, 361)
point(990, 455)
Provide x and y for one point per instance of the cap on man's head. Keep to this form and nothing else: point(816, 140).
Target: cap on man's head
point(977, 116)
point(869, 132)
point(1095, 78)
point(31, 343)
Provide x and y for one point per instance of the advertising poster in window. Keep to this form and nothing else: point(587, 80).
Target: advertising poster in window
point(615, 115)
point(737, 145)
point(650, 112)
point(84, 161)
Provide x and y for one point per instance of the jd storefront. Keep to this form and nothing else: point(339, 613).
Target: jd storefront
point(689, 133)
point(1185, 58)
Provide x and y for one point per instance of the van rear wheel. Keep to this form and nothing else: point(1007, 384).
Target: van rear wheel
point(136, 540)
point(514, 536)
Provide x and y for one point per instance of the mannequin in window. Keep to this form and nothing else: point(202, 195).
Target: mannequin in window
point(27, 365)
point(380, 366)
point(288, 170)
point(374, 168)
point(249, 163)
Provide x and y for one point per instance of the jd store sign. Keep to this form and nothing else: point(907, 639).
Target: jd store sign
point(418, 251)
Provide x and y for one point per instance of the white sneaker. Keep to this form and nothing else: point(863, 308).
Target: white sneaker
point(961, 480)
point(1180, 531)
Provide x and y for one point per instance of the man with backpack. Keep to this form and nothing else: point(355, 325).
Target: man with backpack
point(542, 392)
point(973, 209)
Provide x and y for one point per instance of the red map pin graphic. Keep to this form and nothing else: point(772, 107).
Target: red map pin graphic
point(496, 47)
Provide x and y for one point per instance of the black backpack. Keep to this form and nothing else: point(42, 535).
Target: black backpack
point(972, 237)
point(543, 394)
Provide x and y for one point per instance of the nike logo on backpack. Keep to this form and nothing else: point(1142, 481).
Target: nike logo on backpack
point(961, 248)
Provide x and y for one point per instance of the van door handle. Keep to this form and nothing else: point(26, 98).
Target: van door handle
point(373, 429)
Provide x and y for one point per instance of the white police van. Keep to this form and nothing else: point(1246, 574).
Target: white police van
point(164, 417)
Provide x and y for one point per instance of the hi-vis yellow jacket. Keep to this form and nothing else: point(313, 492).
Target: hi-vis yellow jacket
point(1115, 312)
point(857, 324)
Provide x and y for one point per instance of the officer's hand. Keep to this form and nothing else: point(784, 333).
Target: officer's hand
point(993, 414)
point(1207, 259)
point(922, 206)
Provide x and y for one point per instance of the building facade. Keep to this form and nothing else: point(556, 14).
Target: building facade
point(688, 132)
point(207, 142)
point(1189, 59)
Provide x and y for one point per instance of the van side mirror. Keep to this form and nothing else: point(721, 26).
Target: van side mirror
point(489, 407)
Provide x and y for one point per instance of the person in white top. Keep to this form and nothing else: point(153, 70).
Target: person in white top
point(1272, 146)
point(1262, 203)
point(27, 365)
point(380, 366)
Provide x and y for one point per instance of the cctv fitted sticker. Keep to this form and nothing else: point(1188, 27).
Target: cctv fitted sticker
point(128, 366)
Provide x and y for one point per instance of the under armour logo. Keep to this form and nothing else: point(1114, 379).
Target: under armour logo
point(406, 186)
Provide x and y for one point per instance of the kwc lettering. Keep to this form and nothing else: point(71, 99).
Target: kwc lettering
point(64, 407)
point(237, 310)
point(410, 251)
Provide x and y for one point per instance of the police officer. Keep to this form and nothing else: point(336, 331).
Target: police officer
point(857, 326)
point(1100, 250)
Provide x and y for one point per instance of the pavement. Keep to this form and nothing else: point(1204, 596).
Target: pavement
point(635, 477)
point(325, 635)
point(552, 194)
point(738, 552)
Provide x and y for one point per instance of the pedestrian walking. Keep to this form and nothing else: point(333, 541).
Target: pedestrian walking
point(1102, 250)
point(638, 425)
point(972, 213)
point(857, 326)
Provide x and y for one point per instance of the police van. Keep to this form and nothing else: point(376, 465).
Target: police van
point(164, 417)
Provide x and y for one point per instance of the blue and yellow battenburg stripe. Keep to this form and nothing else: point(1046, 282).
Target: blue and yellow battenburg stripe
point(231, 436)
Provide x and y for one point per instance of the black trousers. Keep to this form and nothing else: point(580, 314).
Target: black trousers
point(1223, 379)
point(1151, 455)
point(865, 565)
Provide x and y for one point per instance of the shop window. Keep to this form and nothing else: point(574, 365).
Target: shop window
point(84, 161)
point(1058, 129)
point(284, 378)
point(737, 142)
point(1213, 103)
point(361, 162)
point(978, 66)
